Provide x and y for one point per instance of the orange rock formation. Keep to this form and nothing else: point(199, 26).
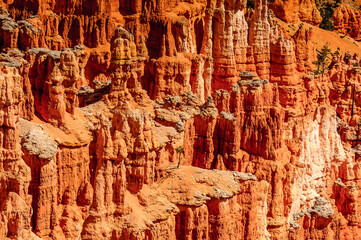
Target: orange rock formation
point(347, 21)
point(293, 11)
point(95, 98)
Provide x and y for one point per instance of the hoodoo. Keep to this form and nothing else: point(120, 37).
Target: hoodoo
point(180, 119)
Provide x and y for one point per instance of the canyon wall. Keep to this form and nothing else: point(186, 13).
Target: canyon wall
point(346, 21)
point(100, 102)
point(293, 11)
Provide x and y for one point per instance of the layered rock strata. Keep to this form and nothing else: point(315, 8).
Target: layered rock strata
point(346, 20)
point(294, 11)
point(99, 103)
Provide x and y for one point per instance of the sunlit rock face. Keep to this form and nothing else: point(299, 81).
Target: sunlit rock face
point(346, 19)
point(174, 119)
point(293, 11)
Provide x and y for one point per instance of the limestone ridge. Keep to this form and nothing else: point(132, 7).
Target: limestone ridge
point(95, 98)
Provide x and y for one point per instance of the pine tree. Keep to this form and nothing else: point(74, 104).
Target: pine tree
point(327, 9)
point(322, 59)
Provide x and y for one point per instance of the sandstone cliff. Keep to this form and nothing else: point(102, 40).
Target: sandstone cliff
point(96, 98)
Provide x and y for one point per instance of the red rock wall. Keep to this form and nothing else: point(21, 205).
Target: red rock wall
point(293, 11)
point(346, 20)
point(96, 99)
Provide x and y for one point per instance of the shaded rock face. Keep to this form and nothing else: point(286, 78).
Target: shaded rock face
point(100, 101)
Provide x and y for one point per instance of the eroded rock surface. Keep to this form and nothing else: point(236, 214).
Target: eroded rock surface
point(100, 101)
